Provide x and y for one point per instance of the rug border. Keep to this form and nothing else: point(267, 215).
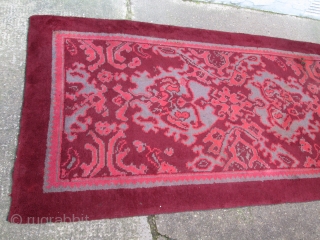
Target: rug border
point(52, 182)
point(28, 199)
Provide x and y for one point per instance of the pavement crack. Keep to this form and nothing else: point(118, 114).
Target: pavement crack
point(154, 230)
point(129, 13)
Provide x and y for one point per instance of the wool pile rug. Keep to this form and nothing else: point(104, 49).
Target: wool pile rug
point(124, 118)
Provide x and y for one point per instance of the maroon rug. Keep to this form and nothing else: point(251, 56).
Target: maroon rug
point(123, 118)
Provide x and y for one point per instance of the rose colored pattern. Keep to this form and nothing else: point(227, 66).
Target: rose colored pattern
point(143, 112)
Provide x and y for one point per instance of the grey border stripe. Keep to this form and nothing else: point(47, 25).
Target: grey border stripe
point(162, 183)
point(50, 126)
point(47, 188)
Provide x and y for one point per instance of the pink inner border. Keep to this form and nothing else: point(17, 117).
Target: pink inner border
point(52, 182)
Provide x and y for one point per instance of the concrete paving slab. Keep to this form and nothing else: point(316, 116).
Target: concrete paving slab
point(13, 28)
point(124, 228)
point(225, 18)
point(305, 8)
point(285, 221)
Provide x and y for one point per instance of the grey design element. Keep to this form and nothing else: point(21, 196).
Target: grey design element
point(161, 183)
point(182, 179)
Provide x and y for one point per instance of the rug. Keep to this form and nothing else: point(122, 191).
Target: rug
point(124, 118)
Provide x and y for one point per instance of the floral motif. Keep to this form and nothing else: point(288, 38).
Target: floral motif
point(105, 76)
point(104, 128)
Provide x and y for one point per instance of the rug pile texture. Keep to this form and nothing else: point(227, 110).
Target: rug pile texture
point(124, 118)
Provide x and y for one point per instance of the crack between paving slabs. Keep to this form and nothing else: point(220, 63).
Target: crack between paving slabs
point(129, 10)
point(154, 230)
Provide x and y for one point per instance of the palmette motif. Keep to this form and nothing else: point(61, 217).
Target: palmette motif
point(142, 112)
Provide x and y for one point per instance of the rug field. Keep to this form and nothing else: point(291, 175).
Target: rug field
point(124, 118)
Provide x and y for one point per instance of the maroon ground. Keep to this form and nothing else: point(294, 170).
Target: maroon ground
point(123, 118)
